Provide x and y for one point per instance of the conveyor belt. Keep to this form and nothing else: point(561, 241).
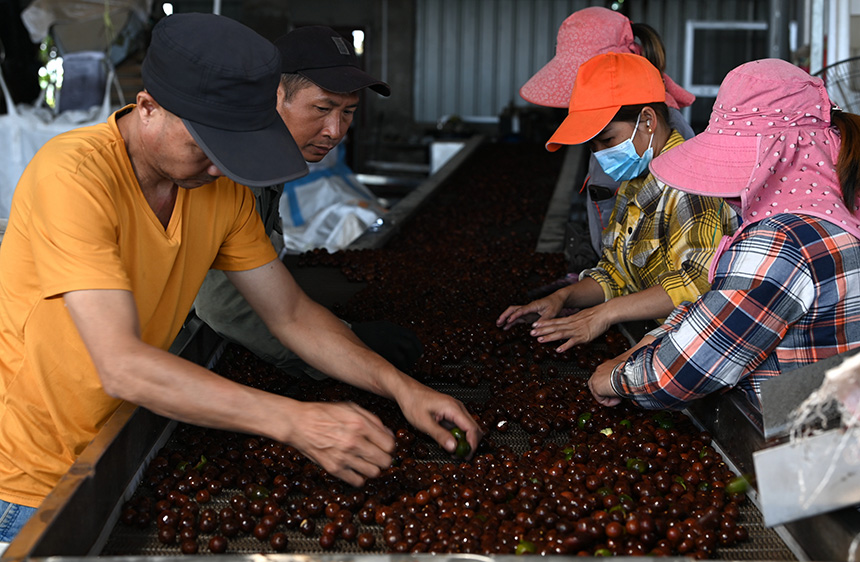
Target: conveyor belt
point(446, 272)
point(449, 215)
point(762, 544)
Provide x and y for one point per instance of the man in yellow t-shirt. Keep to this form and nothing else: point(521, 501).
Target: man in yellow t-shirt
point(112, 230)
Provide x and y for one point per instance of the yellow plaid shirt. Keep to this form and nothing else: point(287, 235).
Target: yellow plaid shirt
point(659, 235)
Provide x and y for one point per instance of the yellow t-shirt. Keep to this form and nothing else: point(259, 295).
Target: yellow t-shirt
point(79, 221)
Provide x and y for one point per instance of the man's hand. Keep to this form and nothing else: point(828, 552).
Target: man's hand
point(427, 410)
point(345, 439)
point(599, 384)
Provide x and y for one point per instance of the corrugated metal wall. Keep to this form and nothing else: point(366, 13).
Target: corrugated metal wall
point(472, 56)
point(668, 17)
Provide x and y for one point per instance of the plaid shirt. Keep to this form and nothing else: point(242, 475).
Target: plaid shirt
point(658, 235)
point(786, 294)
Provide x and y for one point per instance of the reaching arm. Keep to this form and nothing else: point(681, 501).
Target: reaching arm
point(349, 442)
point(600, 382)
point(135, 371)
point(733, 329)
point(325, 342)
point(692, 226)
point(587, 324)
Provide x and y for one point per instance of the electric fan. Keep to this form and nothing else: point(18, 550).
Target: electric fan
point(842, 80)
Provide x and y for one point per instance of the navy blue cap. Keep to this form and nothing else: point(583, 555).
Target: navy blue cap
point(221, 78)
point(324, 57)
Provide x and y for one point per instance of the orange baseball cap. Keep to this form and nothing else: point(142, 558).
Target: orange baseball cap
point(603, 85)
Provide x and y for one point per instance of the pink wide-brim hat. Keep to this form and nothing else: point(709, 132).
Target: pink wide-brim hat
point(770, 142)
point(583, 35)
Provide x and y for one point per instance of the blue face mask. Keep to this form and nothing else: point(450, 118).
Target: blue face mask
point(621, 162)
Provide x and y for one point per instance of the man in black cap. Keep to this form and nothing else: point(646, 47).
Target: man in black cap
point(112, 230)
point(318, 96)
point(319, 90)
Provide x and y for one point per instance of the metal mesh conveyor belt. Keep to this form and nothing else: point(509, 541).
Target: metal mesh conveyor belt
point(763, 543)
point(474, 226)
point(447, 273)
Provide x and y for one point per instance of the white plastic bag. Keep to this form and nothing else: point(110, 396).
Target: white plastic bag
point(41, 15)
point(840, 388)
point(25, 128)
point(328, 208)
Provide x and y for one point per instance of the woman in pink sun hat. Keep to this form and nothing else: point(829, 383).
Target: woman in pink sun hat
point(594, 31)
point(584, 34)
point(786, 286)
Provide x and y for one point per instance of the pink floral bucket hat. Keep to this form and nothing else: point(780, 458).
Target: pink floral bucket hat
point(583, 35)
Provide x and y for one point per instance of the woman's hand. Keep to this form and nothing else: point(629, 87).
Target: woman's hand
point(582, 327)
point(547, 307)
point(600, 386)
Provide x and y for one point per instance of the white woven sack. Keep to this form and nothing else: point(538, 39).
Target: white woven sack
point(25, 128)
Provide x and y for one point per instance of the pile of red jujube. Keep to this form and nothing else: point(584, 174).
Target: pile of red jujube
point(591, 480)
point(556, 473)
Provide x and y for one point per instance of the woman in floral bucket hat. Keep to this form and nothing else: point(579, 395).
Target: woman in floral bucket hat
point(659, 242)
point(584, 34)
point(786, 285)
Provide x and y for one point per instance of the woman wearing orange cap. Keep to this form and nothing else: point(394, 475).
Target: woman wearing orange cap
point(659, 242)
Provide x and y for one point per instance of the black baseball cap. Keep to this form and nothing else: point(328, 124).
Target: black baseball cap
point(221, 78)
point(324, 57)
